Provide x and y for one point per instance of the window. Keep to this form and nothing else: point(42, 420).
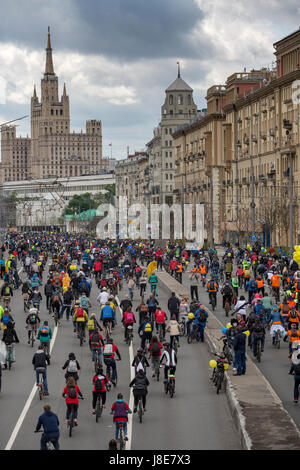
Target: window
point(189, 100)
point(166, 131)
point(171, 99)
point(180, 99)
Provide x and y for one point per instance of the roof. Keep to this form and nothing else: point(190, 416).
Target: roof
point(179, 85)
point(87, 215)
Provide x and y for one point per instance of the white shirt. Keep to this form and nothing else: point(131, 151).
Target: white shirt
point(103, 297)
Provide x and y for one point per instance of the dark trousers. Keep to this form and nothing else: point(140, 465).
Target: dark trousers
point(194, 292)
point(296, 388)
point(48, 437)
point(240, 358)
point(142, 289)
point(69, 409)
point(146, 335)
point(159, 263)
point(255, 339)
point(137, 394)
point(95, 396)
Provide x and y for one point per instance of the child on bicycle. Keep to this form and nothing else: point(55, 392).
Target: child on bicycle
point(120, 410)
point(71, 393)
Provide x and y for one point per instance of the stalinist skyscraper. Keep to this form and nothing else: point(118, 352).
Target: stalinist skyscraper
point(52, 150)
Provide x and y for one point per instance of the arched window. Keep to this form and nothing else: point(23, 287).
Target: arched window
point(189, 100)
point(171, 99)
point(180, 99)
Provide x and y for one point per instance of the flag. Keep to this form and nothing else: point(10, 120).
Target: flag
point(151, 267)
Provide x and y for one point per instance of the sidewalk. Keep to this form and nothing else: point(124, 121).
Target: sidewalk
point(258, 412)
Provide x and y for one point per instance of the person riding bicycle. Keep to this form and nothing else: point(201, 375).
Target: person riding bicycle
point(251, 287)
point(146, 329)
point(155, 348)
point(33, 322)
point(128, 320)
point(96, 344)
point(84, 302)
point(277, 323)
point(120, 410)
point(99, 382)
point(103, 296)
point(109, 351)
point(293, 316)
point(258, 333)
point(152, 303)
point(153, 280)
point(160, 319)
point(200, 320)
point(72, 366)
point(126, 304)
point(212, 289)
point(35, 298)
point(45, 335)
point(7, 292)
point(140, 361)
point(292, 336)
point(227, 293)
point(71, 393)
point(50, 424)
point(40, 361)
point(92, 324)
point(80, 318)
point(108, 316)
point(140, 384)
point(170, 358)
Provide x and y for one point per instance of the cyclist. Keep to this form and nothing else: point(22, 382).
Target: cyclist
point(35, 298)
point(170, 358)
point(6, 293)
point(160, 319)
point(139, 384)
point(99, 382)
point(85, 303)
point(120, 410)
point(68, 298)
point(71, 393)
point(152, 303)
point(227, 293)
point(33, 322)
point(72, 367)
point(293, 316)
point(292, 336)
point(140, 361)
point(251, 287)
point(96, 343)
point(276, 321)
point(80, 318)
point(103, 296)
point(126, 304)
point(92, 324)
point(174, 329)
point(128, 319)
point(146, 329)
point(212, 289)
point(108, 317)
point(258, 332)
point(45, 335)
point(275, 281)
point(109, 351)
point(201, 317)
point(153, 280)
point(155, 348)
point(50, 424)
point(40, 361)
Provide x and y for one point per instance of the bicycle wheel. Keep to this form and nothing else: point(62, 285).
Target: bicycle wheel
point(71, 424)
point(258, 350)
point(157, 372)
point(189, 338)
point(140, 410)
point(98, 408)
point(219, 383)
point(227, 308)
point(172, 388)
point(32, 338)
point(122, 441)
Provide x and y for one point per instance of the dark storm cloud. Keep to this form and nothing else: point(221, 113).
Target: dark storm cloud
point(123, 29)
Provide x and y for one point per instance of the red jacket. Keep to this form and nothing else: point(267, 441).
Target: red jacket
point(160, 348)
point(98, 266)
point(99, 344)
point(160, 316)
point(173, 265)
point(69, 400)
point(114, 349)
point(104, 380)
point(128, 321)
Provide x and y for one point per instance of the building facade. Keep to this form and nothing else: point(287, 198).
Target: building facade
point(52, 150)
point(242, 161)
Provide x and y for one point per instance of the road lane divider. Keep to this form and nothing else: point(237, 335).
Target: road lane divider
point(28, 403)
point(131, 398)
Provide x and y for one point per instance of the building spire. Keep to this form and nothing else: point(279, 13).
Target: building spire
point(34, 92)
point(65, 90)
point(49, 62)
point(178, 69)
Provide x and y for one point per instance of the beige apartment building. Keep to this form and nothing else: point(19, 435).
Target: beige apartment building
point(52, 150)
point(131, 177)
point(236, 160)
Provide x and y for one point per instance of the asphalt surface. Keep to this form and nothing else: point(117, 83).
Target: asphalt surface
point(196, 418)
point(274, 364)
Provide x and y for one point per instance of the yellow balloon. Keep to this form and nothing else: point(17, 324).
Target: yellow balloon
point(247, 333)
point(213, 363)
point(229, 325)
point(226, 366)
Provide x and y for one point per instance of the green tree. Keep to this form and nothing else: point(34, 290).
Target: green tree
point(80, 203)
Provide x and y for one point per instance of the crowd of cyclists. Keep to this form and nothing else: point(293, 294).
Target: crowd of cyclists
point(259, 288)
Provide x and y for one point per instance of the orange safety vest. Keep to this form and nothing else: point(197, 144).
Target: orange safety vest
point(292, 339)
point(260, 283)
point(275, 280)
point(203, 270)
point(295, 319)
point(179, 268)
point(214, 288)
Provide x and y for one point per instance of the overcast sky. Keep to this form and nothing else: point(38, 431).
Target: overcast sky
point(117, 57)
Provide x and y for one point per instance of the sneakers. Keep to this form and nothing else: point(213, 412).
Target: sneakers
point(46, 394)
point(125, 438)
point(295, 400)
point(93, 412)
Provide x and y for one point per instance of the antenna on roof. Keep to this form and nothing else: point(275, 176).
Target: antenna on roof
point(178, 69)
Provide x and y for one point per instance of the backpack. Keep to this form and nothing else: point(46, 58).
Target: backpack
point(80, 313)
point(253, 285)
point(247, 273)
point(98, 383)
point(72, 393)
point(147, 327)
point(293, 314)
point(44, 331)
point(108, 350)
point(95, 339)
point(130, 317)
point(155, 350)
point(56, 298)
point(72, 367)
point(7, 290)
point(5, 319)
point(202, 316)
point(91, 325)
point(84, 302)
point(32, 319)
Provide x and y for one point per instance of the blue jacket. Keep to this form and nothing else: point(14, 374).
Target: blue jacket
point(196, 321)
point(251, 289)
point(239, 342)
point(49, 421)
point(107, 312)
point(275, 316)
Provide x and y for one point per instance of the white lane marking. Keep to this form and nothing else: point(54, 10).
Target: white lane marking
point(131, 399)
point(28, 403)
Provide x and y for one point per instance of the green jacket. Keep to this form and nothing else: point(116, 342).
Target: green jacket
point(153, 279)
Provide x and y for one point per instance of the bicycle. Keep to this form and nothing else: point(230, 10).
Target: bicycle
point(80, 333)
point(277, 337)
point(258, 349)
point(160, 332)
point(71, 422)
point(140, 409)
point(49, 444)
point(129, 334)
point(33, 336)
point(212, 300)
point(108, 375)
point(154, 289)
point(194, 335)
point(218, 372)
point(170, 385)
point(156, 368)
point(226, 349)
point(227, 307)
point(9, 357)
point(121, 437)
point(99, 407)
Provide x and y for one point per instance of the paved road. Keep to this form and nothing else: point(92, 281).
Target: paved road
point(196, 418)
point(274, 363)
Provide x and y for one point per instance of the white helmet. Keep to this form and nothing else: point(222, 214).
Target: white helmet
point(33, 311)
point(103, 289)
